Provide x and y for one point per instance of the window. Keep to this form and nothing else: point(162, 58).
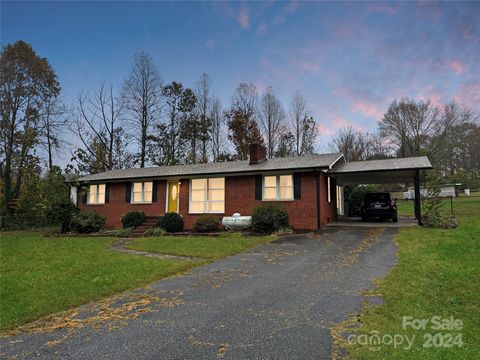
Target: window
point(142, 192)
point(96, 194)
point(278, 187)
point(207, 195)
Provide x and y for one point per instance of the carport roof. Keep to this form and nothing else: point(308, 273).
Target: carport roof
point(380, 171)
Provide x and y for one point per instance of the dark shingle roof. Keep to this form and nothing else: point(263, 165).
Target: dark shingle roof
point(409, 163)
point(288, 163)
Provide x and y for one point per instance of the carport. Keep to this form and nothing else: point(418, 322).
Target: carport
point(401, 170)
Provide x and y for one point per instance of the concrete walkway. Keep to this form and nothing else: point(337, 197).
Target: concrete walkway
point(278, 301)
point(119, 246)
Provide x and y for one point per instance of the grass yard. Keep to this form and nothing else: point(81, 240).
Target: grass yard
point(437, 273)
point(43, 275)
point(207, 247)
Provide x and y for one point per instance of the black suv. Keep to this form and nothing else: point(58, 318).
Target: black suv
point(378, 205)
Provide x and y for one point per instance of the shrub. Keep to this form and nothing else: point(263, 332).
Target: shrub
point(356, 197)
point(123, 232)
point(267, 218)
point(87, 221)
point(171, 222)
point(207, 223)
point(156, 231)
point(432, 207)
point(133, 219)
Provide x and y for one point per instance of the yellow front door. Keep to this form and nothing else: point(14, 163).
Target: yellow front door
point(172, 197)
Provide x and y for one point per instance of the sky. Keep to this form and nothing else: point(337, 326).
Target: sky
point(349, 59)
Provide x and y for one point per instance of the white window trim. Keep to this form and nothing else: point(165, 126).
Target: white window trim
point(277, 178)
point(329, 190)
point(206, 201)
point(132, 197)
point(96, 195)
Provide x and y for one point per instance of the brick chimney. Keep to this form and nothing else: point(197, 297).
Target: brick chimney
point(257, 153)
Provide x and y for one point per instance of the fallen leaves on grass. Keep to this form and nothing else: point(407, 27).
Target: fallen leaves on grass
point(338, 332)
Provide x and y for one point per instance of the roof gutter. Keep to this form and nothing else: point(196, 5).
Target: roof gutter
point(235, 173)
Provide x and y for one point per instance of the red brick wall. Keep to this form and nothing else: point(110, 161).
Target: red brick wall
point(239, 197)
point(117, 207)
point(328, 210)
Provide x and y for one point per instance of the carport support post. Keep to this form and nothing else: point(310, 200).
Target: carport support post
point(418, 209)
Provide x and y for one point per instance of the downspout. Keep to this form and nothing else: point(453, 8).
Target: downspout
point(317, 180)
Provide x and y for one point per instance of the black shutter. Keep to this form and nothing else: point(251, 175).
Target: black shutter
point(154, 191)
point(258, 187)
point(84, 195)
point(128, 192)
point(107, 193)
point(297, 191)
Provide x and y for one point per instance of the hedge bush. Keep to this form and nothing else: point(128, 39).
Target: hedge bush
point(356, 197)
point(207, 223)
point(133, 219)
point(171, 222)
point(267, 218)
point(87, 221)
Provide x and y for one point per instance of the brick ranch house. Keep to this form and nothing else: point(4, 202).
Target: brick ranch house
point(306, 186)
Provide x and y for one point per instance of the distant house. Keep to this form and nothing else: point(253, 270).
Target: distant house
point(309, 187)
point(446, 190)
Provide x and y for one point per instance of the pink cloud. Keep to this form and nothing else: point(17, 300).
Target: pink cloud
point(340, 122)
point(468, 94)
point(278, 72)
point(434, 98)
point(261, 29)
point(323, 129)
point(309, 67)
point(367, 109)
point(456, 66)
point(383, 8)
point(243, 18)
point(289, 9)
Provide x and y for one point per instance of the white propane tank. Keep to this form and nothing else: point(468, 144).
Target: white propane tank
point(236, 221)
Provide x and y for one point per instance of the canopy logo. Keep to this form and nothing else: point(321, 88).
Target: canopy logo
point(446, 334)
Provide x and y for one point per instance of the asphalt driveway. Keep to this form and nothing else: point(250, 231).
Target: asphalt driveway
point(277, 301)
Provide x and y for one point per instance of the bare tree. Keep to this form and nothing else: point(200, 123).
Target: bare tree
point(53, 121)
point(177, 133)
point(304, 127)
point(204, 103)
point(216, 138)
point(242, 125)
point(286, 144)
point(376, 147)
point(272, 118)
point(418, 128)
point(98, 127)
point(245, 100)
point(141, 94)
point(350, 143)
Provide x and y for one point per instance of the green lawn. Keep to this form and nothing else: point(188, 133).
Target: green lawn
point(207, 247)
point(43, 275)
point(437, 273)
